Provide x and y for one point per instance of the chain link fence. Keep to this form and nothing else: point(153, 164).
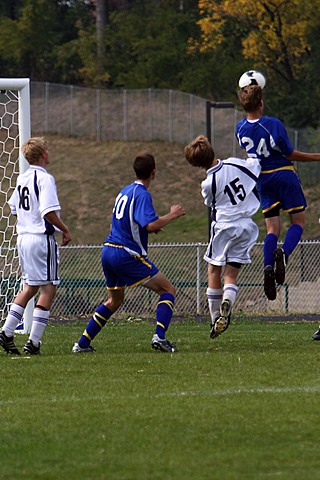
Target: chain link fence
point(147, 115)
point(82, 286)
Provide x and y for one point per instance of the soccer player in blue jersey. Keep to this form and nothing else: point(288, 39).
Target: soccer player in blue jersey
point(279, 187)
point(124, 256)
point(229, 189)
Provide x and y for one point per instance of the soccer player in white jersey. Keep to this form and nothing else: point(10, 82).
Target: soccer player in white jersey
point(124, 256)
point(35, 203)
point(279, 186)
point(230, 191)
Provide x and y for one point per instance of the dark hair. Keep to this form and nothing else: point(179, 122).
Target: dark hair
point(199, 153)
point(143, 165)
point(250, 98)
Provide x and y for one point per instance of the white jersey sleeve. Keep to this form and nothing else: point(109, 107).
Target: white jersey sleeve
point(230, 189)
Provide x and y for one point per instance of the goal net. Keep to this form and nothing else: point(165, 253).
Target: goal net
point(14, 131)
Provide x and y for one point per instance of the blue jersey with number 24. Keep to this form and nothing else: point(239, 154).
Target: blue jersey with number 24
point(266, 139)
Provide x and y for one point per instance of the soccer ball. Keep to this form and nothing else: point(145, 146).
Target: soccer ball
point(252, 77)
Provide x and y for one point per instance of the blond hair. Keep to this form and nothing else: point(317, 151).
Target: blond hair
point(34, 148)
point(199, 153)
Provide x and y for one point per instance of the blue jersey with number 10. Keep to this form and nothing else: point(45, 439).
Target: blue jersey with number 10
point(132, 212)
point(265, 138)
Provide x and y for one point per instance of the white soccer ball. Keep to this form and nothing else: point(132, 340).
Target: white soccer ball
point(252, 77)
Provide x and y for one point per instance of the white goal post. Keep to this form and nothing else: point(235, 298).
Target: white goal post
point(15, 129)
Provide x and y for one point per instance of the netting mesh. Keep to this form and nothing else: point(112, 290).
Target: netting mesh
point(9, 169)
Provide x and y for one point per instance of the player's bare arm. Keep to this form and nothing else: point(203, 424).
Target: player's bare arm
point(304, 156)
point(53, 218)
point(176, 211)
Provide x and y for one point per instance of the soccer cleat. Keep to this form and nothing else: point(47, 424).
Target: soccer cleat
point(162, 344)
point(316, 336)
point(269, 283)
point(221, 323)
point(281, 263)
point(7, 344)
point(213, 333)
point(31, 349)
point(77, 349)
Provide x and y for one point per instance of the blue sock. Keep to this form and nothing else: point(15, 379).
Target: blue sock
point(270, 244)
point(96, 323)
point(292, 238)
point(164, 313)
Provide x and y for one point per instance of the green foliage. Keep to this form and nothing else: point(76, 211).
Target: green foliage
point(276, 38)
point(236, 408)
point(198, 48)
point(9, 8)
point(31, 42)
point(146, 46)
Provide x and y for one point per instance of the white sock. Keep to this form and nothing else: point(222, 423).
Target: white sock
point(13, 319)
point(214, 296)
point(230, 292)
point(39, 323)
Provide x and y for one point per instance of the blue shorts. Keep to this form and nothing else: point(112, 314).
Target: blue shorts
point(122, 269)
point(281, 188)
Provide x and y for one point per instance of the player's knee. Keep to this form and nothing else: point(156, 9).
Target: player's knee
point(171, 289)
point(114, 304)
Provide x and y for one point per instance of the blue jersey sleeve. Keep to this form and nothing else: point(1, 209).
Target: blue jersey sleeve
point(144, 212)
point(281, 138)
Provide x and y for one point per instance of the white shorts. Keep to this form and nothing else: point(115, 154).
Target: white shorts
point(231, 242)
point(39, 259)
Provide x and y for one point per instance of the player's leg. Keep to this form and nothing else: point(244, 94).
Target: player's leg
point(41, 314)
point(230, 291)
point(99, 320)
point(166, 291)
point(41, 262)
point(293, 202)
point(271, 239)
point(115, 261)
point(216, 256)
point(19, 304)
point(292, 238)
point(17, 308)
point(270, 245)
point(242, 236)
point(214, 295)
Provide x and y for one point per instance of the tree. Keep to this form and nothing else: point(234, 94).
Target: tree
point(276, 38)
point(147, 45)
point(9, 8)
point(38, 40)
point(101, 22)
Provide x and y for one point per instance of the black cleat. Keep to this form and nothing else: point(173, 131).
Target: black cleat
point(213, 333)
point(316, 336)
point(8, 345)
point(31, 349)
point(269, 283)
point(162, 344)
point(281, 263)
point(221, 323)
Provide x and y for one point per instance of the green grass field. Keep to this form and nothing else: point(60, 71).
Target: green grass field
point(244, 406)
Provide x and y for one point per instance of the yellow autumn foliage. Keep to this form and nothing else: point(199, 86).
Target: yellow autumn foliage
point(278, 30)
